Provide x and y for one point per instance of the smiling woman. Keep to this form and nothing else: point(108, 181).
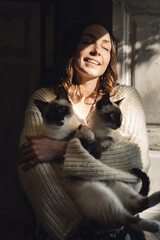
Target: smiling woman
point(87, 71)
point(93, 54)
point(91, 51)
point(90, 62)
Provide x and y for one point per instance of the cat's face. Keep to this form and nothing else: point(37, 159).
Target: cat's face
point(108, 113)
point(56, 111)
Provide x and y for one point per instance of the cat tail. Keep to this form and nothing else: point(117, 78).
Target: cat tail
point(145, 181)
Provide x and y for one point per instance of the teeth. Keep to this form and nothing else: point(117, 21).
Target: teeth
point(92, 61)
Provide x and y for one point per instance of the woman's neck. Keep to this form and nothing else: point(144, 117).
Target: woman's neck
point(89, 87)
point(89, 92)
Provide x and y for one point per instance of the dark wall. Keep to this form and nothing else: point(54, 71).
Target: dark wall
point(30, 36)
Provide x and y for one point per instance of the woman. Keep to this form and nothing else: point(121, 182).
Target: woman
point(88, 69)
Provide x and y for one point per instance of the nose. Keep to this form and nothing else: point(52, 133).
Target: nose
point(95, 49)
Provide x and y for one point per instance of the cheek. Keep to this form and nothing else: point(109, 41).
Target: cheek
point(78, 59)
point(80, 52)
point(77, 62)
point(105, 64)
point(106, 61)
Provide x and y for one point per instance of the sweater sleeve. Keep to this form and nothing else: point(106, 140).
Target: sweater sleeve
point(53, 207)
point(120, 158)
point(79, 163)
point(134, 124)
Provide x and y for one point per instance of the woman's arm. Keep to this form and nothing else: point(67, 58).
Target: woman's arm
point(35, 148)
point(42, 183)
point(40, 149)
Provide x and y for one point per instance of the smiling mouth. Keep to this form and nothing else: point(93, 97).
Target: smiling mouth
point(92, 61)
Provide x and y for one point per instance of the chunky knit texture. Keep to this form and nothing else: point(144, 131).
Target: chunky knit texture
point(53, 207)
point(79, 163)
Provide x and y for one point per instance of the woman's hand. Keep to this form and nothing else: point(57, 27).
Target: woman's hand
point(40, 149)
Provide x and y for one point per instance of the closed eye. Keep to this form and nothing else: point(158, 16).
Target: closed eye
point(86, 41)
point(106, 49)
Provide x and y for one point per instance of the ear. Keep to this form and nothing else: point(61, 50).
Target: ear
point(40, 105)
point(105, 100)
point(106, 97)
point(62, 94)
point(119, 101)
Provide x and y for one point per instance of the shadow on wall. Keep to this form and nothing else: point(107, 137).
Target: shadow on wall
point(139, 52)
point(136, 27)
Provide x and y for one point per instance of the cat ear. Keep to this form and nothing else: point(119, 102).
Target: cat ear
point(40, 105)
point(105, 100)
point(119, 101)
point(62, 94)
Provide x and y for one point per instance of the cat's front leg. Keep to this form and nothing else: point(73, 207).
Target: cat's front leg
point(106, 143)
point(89, 140)
point(84, 132)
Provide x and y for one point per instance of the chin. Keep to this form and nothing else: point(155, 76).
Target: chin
point(89, 72)
point(93, 73)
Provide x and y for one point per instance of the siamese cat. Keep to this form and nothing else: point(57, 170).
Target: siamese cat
point(109, 203)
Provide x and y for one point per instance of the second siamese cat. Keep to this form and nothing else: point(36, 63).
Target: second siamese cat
point(109, 203)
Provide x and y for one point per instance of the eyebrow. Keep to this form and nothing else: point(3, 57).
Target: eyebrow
point(92, 36)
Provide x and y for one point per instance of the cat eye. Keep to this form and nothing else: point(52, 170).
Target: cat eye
point(112, 115)
point(63, 108)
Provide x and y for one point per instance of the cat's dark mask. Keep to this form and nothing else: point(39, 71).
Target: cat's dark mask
point(54, 112)
point(113, 115)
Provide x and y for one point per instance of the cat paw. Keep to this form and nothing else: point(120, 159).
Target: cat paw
point(83, 132)
point(106, 143)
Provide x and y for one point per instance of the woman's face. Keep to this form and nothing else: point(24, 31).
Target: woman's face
point(93, 52)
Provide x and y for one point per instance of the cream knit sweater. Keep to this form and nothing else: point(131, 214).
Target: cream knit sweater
point(42, 184)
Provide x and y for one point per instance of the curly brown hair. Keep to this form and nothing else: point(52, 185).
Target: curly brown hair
point(66, 73)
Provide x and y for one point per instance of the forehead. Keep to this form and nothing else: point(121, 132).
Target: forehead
point(97, 31)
